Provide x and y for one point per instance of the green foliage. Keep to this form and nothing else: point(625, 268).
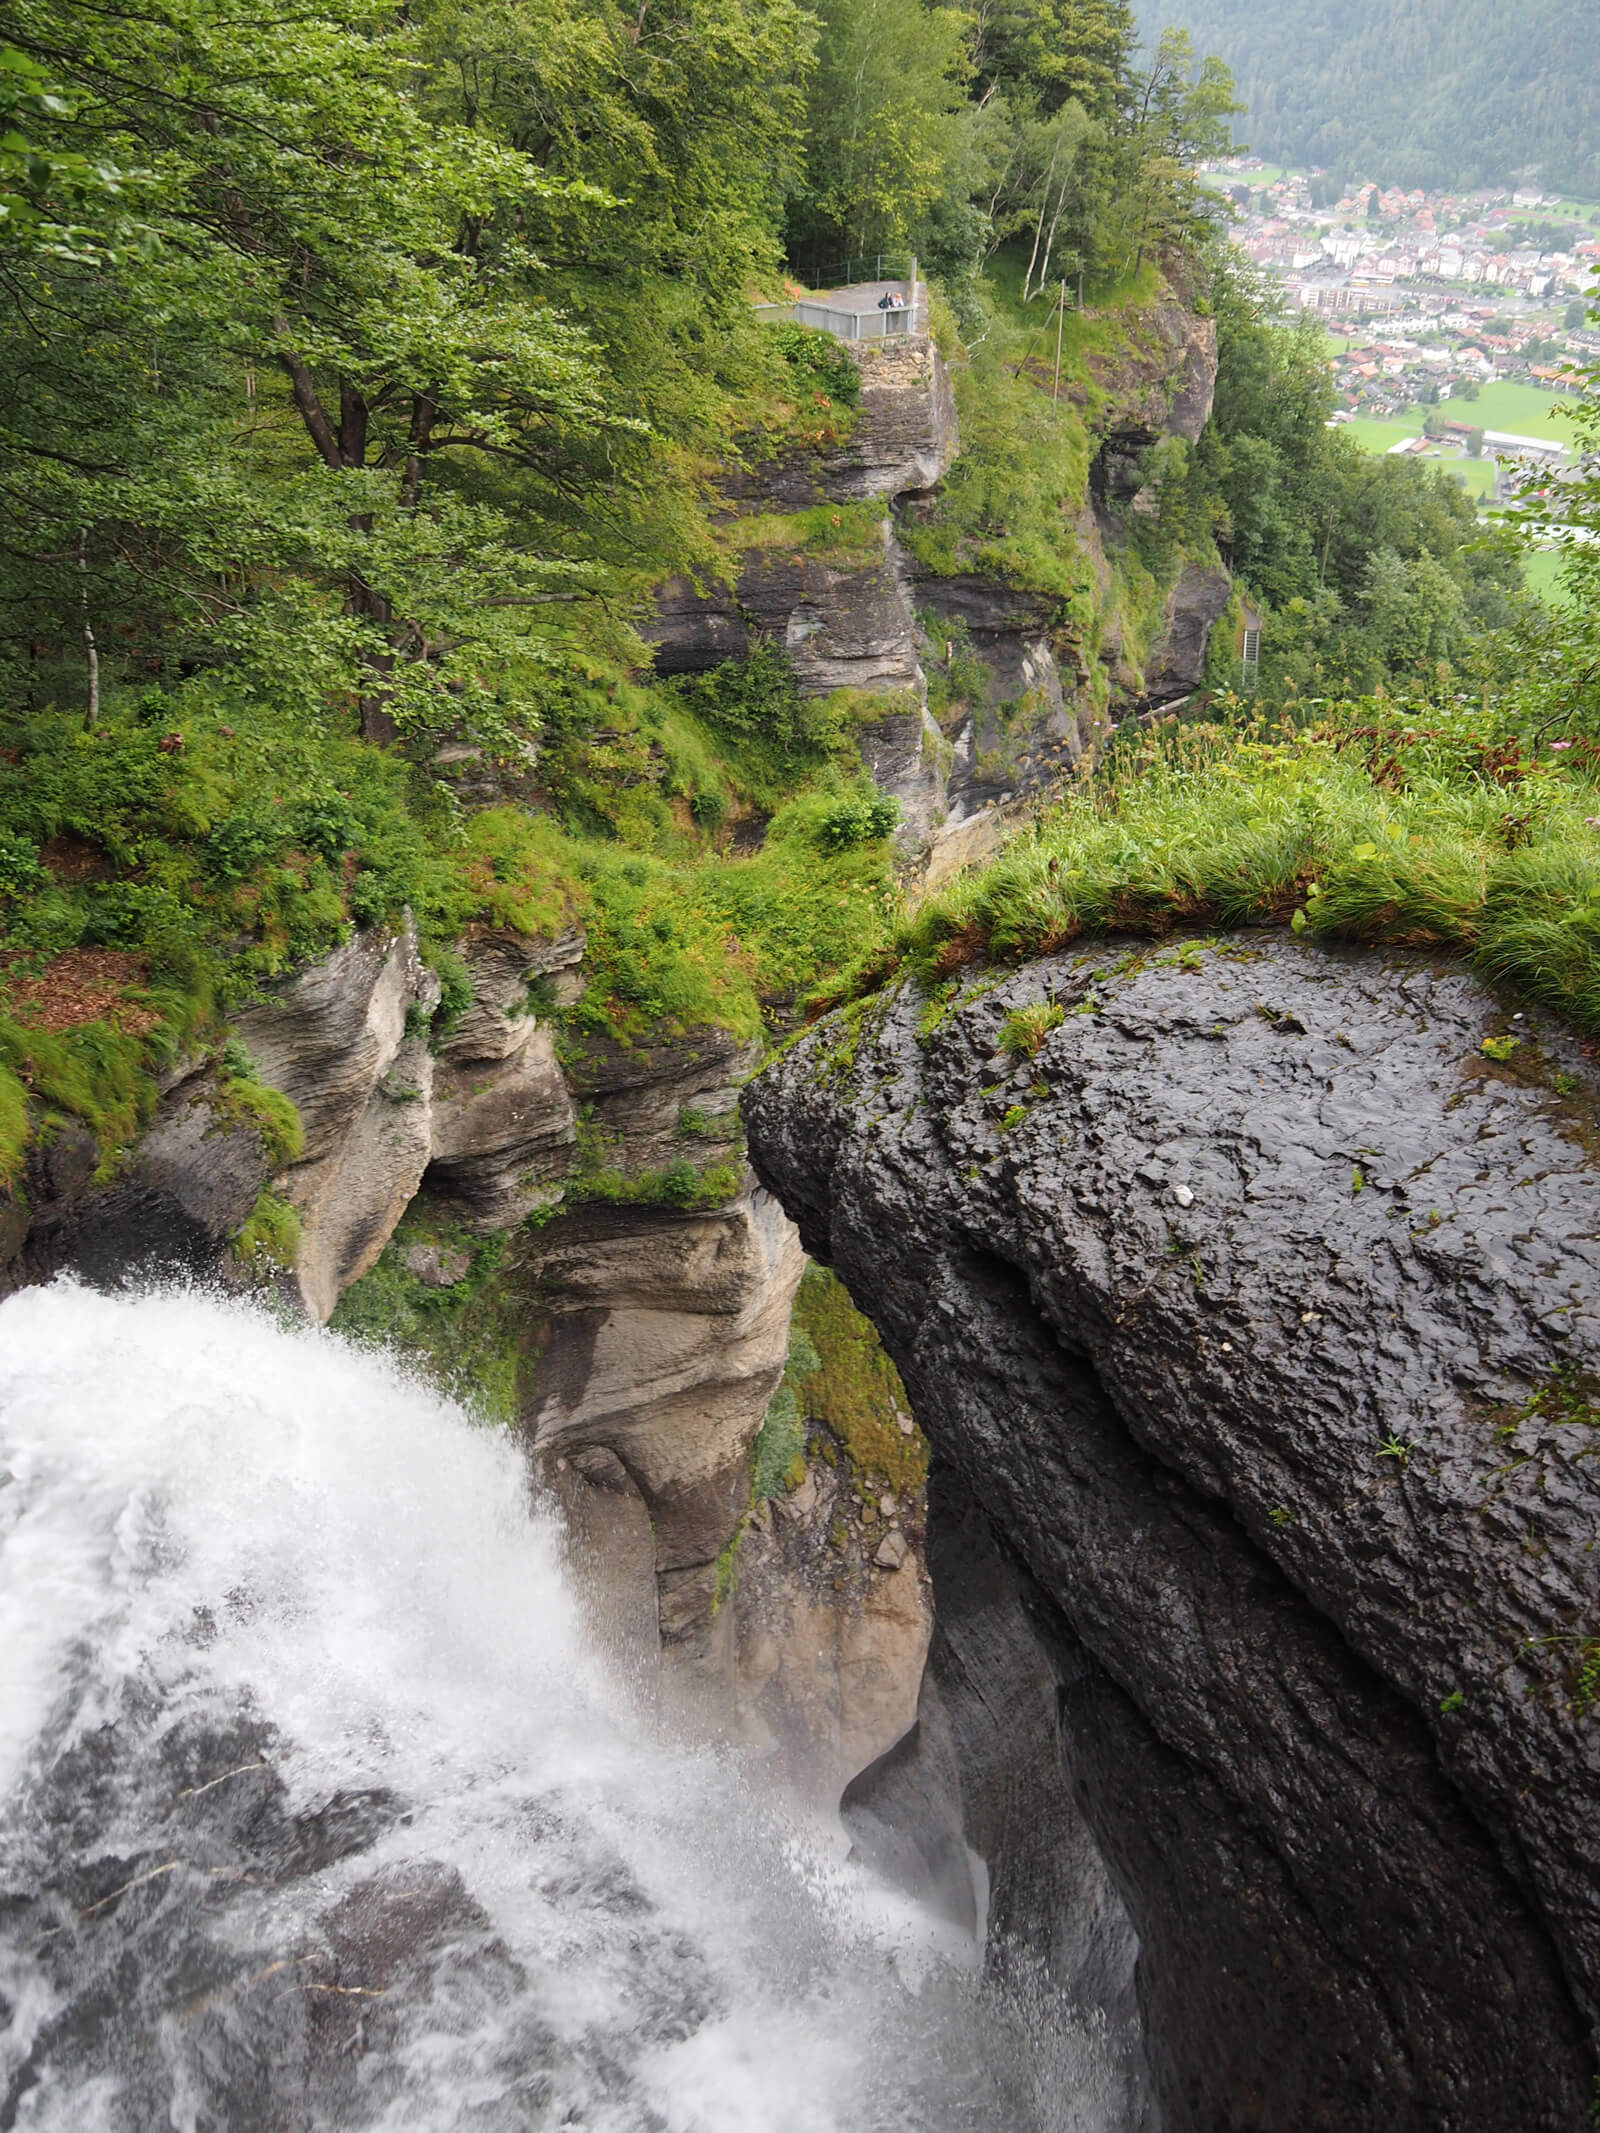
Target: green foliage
point(99, 1074)
point(819, 364)
point(845, 536)
point(1369, 570)
point(466, 1337)
point(858, 817)
point(777, 1460)
point(13, 1126)
point(1024, 1030)
point(1009, 503)
point(1413, 824)
point(240, 1098)
point(19, 865)
point(803, 907)
point(887, 112)
point(680, 1185)
point(768, 736)
point(853, 1388)
point(270, 1235)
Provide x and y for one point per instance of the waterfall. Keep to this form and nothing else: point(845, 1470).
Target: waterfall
point(317, 1810)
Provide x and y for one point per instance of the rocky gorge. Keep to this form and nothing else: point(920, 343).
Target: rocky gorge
point(1231, 1674)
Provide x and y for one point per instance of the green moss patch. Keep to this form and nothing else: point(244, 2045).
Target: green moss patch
point(270, 1235)
point(468, 1336)
point(855, 1391)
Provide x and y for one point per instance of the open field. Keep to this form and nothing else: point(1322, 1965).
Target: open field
point(1379, 434)
point(1476, 476)
point(1523, 409)
point(1542, 569)
point(1520, 410)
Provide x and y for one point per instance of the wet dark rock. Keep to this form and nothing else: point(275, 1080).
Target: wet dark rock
point(1263, 1342)
point(189, 1185)
point(980, 1767)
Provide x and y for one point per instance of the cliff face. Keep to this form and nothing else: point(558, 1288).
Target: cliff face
point(1257, 1317)
point(877, 620)
point(649, 1336)
point(849, 625)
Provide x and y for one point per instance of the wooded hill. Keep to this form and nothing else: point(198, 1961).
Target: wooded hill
point(1433, 93)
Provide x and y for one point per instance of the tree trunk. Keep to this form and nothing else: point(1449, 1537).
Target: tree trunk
point(91, 653)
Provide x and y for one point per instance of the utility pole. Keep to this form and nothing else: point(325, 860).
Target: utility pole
point(1061, 320)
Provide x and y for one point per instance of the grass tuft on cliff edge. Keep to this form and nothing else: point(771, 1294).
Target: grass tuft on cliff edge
point(1386, 822)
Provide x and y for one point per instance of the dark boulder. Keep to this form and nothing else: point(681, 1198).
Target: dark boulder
point(1258, 1313)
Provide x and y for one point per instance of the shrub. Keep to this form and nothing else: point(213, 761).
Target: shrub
point(818, 362)
point(19, 865)
point(860, 817)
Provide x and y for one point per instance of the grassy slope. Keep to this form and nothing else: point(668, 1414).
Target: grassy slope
point(183, 881)
point(1421, 825)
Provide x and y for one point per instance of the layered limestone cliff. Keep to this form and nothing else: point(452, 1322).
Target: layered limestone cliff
point(847, 620)
point(1034, 683)
point(1255, 1326)
point(650, 1338)
point(876, 619)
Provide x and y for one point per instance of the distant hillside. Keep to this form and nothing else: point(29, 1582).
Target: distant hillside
point(1414, 92)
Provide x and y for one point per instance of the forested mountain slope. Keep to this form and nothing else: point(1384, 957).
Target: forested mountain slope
point(1434, 92)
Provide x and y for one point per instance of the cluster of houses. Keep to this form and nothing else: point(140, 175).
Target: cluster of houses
point(1428, 355)
point(1375, 250)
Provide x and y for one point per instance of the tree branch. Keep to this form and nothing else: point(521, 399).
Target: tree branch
point(312, 412)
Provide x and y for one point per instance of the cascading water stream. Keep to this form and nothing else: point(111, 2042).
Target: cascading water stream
point(317, 1811)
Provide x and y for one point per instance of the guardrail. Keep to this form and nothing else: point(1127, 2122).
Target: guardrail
point(871, 325)
point(870, 266)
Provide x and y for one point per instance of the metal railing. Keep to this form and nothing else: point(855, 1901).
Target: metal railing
point(871, 266)
point(870, 325)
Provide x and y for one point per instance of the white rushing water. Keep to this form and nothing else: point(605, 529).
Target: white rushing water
point(316, 1811)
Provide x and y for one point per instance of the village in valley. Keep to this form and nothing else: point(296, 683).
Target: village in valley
point(1456, 321)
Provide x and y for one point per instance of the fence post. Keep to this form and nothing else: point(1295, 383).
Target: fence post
point(911, 322)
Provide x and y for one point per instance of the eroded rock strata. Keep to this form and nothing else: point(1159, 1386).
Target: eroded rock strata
point(1257, 1313)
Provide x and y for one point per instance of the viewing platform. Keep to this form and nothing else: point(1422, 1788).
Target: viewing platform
point(855, 311)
